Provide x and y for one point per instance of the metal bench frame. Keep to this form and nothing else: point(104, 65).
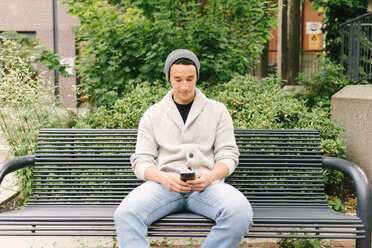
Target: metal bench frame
point(81, 175)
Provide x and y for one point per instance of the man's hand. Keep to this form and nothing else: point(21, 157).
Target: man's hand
point(201, 181)
point(174, 183)
point(171, 181)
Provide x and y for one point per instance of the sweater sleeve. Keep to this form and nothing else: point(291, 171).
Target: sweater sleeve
point(146, 148)
point(225, 149)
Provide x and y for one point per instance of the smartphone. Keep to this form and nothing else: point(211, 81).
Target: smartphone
point(187, 176)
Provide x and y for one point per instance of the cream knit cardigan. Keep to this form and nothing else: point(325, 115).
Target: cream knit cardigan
point(165, 141)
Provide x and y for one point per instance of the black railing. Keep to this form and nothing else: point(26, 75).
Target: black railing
point(356, 47)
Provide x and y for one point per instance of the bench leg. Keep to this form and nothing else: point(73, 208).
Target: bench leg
point(363, 243)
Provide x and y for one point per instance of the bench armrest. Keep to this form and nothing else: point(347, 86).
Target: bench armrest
point(362, 187)
point(15, 164)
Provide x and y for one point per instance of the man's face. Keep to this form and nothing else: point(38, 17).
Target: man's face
point(183, 79)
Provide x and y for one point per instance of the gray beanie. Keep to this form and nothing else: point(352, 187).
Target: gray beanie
point(177, 54)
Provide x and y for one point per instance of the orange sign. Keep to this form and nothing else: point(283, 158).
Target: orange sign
point(315, 42)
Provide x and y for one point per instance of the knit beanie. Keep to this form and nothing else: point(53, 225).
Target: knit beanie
point(177, 54)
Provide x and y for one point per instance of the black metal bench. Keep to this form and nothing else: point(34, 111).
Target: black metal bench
point(82, 175)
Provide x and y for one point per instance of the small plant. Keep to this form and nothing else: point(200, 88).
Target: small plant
point(336, 204)
point(115, 242)
point(191, 242)
point(164, 242)
point(299, 243)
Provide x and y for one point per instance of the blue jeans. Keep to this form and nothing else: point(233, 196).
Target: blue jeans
point(151, 201)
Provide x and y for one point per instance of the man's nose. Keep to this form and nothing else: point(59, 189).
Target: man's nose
point(184, 85)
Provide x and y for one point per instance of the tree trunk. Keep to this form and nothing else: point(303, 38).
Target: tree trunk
point(289, 40)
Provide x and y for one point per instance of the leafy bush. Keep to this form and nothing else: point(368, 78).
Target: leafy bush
point(126, 112)
point(128, 43)
point(252, 104)
point(264, 105)
point(321, 84)
point(26, 105)
point(31, 48)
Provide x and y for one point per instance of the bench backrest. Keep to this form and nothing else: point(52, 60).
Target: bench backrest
point(81, 166)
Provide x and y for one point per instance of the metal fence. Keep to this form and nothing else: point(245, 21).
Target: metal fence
point(308, 60)
point(356, 47)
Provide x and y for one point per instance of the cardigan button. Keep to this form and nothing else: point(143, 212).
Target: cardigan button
point(191, 155)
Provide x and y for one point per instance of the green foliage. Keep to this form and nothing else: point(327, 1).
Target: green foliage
point(31, 48)
point(336, 204)
point(299, 243)
point(264, 105)
point(252, 104)
point(26, 105)
point(321, 84)
point(51, 61)
point(127, 111)
point(128, 43)
point(337, 12)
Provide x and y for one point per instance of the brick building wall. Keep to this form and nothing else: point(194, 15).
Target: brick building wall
point(37, 16)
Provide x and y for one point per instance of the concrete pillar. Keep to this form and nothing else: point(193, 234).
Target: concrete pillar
point(352, 108)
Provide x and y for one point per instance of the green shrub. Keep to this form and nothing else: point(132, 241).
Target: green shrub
point(128, 43)
point(252, 104)
point(127, 111)
point(26, 105)
point(31, 48)
point(264, 105)
point(321, 84)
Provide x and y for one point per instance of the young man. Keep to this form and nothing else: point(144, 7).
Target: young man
point(184, 132)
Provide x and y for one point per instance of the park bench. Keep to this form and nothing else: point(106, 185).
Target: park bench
point(81, 175)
